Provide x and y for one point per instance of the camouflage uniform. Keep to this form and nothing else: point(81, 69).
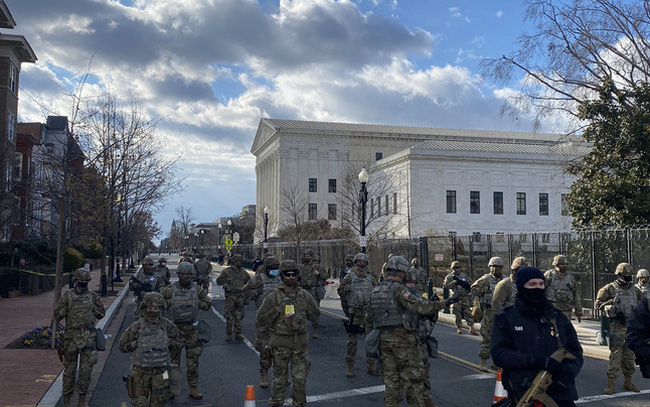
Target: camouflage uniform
point(313, 278)
point(455, 282)
point(81, 308)
point(356, 288)
point(643, 283)
point(482, 290)
point(623, 297)
point(562, 289)
point(144, 281)
point(349, 263)
point(399, 342)
point(285, 313)
point(182, 304)
point(163, 270)
point(151, 340)
point(233, 278)
point(506, 289)
point(203, 269)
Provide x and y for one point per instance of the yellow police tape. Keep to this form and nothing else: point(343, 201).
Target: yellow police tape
point(36, 273)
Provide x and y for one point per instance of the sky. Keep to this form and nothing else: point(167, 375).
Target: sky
point(211, 69)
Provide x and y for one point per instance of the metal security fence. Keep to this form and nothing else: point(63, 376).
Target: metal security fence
point(593, 255)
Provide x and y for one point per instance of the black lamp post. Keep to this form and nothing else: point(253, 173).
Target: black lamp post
point(219, 226)
point(229, 229)
point(363, 198)
point(202, 233)
point(266, 229)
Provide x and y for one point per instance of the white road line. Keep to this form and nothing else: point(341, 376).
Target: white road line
point(591, 399)
point(246, 341)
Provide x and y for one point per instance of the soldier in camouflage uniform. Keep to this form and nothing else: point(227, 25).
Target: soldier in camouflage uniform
point(285, 313)
point(152, 339)
point(356, 288)
point(349, 264)
point(260, 286)
point(144, 281)
point(459, 284)
point(380, 276)
point(506, 289)
point(183, 299)
point(422, 275)
point(643, 282)
point(619, 299)
point(203, 269)
point(81, 308)
point(482, 290)
point(187, 257)
point(233, 279)
point(313, 278)
point(562, 288)
point(398, 344)
point(163, 270)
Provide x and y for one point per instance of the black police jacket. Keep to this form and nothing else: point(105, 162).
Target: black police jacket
point(523, 340)
point(638, 330)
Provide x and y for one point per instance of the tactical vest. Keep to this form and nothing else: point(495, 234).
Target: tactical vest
point(296, 323)
point(645, 289)
point(153, 345)
point(307, 277)
point(513, 294)
point(185, 303)
point(360, 291)
point(386, 313)
point(561, 287)
point(459, 290)
point(269, 283)
point(237, 279)
point(80, 310)
point(486, 299)
point(202, 267)
point(625, 300)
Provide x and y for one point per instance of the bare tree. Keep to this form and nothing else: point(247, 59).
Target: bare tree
point(295, 225)
point(184, 221)
point(575, 47)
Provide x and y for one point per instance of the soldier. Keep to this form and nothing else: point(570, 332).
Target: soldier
point(356, 288)
point(313, 278)
point(262, 284)
point(643, 283)
point(203, 269)
point(621, 297)
point(638, 335)
point(349, 264)
point(152, 339)
point(459, 285)
point(398, 343)
point(257, 262)
point(482, 290)
point(81, 308)
point(144, 281)
point(506, 289)
point(284, 313)
point(562, 288)
point(380, 276)
point(163, 270)
point(186, 257)
point(233, 279)
point(183, 299)
point(422, 275)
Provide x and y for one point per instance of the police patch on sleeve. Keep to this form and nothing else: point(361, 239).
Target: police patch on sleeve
point(406, 294)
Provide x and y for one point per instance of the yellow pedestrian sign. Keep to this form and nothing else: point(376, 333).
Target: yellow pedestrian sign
point(229, 243)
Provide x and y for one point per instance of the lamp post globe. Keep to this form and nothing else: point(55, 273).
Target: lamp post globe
point(363, 198)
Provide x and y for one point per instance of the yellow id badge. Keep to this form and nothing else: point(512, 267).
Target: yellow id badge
point(289, 310)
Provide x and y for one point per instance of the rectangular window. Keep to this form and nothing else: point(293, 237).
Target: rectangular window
point(500, 237)
point(521, 203)
point(332, 185)
point(378, 206)
point(379, 156)
point(313, 211)
point(476, 237)
point(313, 185)
point(331, 211)
point(11, 127)
point(565, 206)
point(13, 78)
point(474, 202)
point(451, 201)
point(18, 166)
point(498, 203)
point(386, 205)
point(543, 204)
point(395, 203)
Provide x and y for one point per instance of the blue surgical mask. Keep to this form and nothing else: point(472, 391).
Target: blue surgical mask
point(273, 273)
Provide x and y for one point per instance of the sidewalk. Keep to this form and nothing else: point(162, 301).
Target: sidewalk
point(27, 374)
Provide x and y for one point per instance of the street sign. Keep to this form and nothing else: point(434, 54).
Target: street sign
point(439, 257)
point(229, 243)
point(362, 241)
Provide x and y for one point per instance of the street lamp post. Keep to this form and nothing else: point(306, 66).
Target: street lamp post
point(219, 226)
point(229, 229)
point(202, 233)
point(196, 236)
point(266, 229)
point(363, 198)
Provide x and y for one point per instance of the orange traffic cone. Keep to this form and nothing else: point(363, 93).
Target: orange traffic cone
point(499, 392)
point(249, 400)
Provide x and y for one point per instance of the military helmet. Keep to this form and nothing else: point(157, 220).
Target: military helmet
point(560, 259)
point(185, 267)
point(81, 274)
point(412, 276)
point(518, 262)
point(623, 269)
point(271, 263)
point(360, 256)
point(236, 257)
point(496, 261)
point(162, 260)
point(309, 252)
point(288, 265)
point(642, 273)
point(455, 264)
point(414, 261)
point(147, 261)
point(396, 264)
point(152, 298)
point(349, 257)
point(268, 254)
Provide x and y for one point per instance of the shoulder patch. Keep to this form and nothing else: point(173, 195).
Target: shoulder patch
point(406, 294)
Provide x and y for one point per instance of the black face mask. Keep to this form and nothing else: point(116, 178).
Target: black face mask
point(82, 285)
point(627, 279)
point(532, 296)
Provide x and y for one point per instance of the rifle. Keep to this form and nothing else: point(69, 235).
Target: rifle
point(138, 286)
point(537, 391)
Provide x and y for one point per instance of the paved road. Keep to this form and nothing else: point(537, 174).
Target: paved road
point(226, 369)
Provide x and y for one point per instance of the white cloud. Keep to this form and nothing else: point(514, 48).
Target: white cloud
point(499, 14)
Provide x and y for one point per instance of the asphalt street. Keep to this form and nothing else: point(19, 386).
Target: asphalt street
point(226, 368)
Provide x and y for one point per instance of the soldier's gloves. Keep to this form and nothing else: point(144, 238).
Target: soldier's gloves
point(451, 300)
point(553, 366)
point(463, 284)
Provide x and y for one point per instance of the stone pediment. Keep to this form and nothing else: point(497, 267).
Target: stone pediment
point(264, 132)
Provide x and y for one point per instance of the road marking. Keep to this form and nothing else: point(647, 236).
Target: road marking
point(246, 341)
point(591, 399)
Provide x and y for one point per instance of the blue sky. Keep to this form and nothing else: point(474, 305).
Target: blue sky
point(212, 68)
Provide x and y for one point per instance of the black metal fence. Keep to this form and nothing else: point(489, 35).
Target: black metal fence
point(593, 255)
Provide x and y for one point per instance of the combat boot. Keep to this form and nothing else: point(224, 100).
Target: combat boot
point(239, 337)
point(264, 381)
point(472, 331)
point(429, 403)
point(372, 369)
point(611, 386)
point(459, 331)
point(228, 337)
point(315, 335)
point(627, 385)
point(82, 400)
point(350, 372)
point(195, 393)
point(67, 398)
point(482, 365)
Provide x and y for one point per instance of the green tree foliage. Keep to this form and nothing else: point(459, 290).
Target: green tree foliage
point(72, 259)
point(613, 189)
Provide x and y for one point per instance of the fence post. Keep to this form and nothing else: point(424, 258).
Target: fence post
point(594, 276)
